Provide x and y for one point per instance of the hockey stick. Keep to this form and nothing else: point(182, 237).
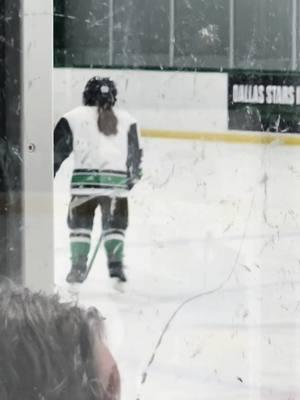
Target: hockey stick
point(80, 199)
point(91, 262)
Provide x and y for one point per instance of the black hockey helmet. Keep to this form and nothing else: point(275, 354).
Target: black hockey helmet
point(100, 92)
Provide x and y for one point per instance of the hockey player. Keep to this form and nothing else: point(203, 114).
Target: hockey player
point(107, 164)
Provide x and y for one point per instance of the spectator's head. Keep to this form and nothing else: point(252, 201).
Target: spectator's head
point(51, 350)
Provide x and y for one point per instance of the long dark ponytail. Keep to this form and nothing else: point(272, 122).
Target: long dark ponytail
point(107, 121)
point(102, 92)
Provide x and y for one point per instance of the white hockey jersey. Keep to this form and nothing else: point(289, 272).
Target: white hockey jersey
point(104, 165)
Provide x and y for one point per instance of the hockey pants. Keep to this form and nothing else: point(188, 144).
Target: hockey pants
point(81, 214)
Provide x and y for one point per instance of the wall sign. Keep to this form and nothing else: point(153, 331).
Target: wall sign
point(264, 102)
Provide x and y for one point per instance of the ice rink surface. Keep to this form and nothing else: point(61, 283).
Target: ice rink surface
point(212, 307)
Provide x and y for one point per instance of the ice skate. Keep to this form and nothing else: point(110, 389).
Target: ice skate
point(77, 274)
point(116, 271)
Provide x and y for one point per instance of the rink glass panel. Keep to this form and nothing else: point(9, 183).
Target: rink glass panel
point(263, 34)
point(11, 218)
point(298, 34)
point(81, 32)
point(141, 33)
point(177, 34)
point(202, 33)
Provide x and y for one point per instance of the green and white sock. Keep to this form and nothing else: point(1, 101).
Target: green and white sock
point(80, 244)
point(114, 245)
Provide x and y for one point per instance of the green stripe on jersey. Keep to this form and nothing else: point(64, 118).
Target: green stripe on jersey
point(96, 179)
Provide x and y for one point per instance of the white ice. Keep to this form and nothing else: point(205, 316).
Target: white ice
point(214, 225)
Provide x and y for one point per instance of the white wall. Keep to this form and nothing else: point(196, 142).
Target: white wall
point(181, 101)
